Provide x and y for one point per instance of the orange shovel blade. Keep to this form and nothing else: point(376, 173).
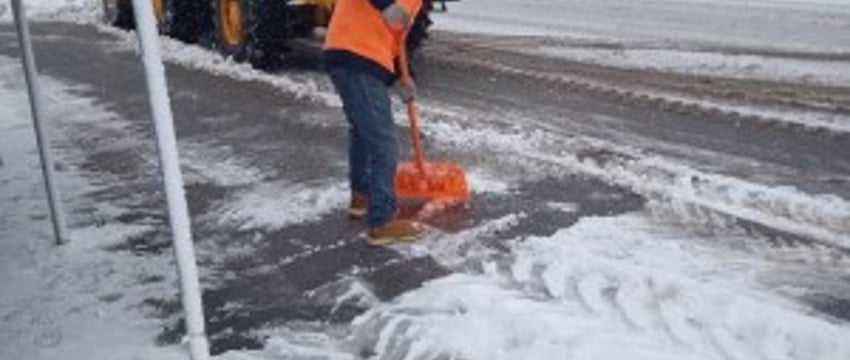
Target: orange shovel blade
point(434, 181)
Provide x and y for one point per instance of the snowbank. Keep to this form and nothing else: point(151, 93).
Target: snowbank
point(606, 288)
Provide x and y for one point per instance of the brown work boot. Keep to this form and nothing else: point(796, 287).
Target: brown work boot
point(359, 207)
point(395, 230)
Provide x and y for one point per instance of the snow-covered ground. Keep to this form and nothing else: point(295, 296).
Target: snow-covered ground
point(604, 281)
point(647, 287)
point(630, 288)
point(762, 39)
point(820, 217)
point(608, 287)
point(77, 301)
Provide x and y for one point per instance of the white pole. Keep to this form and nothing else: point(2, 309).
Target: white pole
point(42, 135)
point(178, 211)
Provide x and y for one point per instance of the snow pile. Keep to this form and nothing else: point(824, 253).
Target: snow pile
point(275, 205)
point(606, 288)
point(198, 58)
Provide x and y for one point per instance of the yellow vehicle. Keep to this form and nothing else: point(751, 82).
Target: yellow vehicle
point(257, 31)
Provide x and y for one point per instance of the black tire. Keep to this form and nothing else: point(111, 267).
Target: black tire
point(118, 13)
point(419, 30)
point(184, 19)
point(418, 34)
point(300, 21)
point(263, 32)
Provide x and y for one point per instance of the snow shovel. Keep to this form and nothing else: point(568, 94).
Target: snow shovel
point(421, 180)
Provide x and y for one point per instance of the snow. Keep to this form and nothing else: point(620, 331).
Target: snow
point(274, 205)
point(199, 58)
point(714, 64)
point(481, 182)
point(77, 301)
point(285, 344)
point(610, 280)
point(172, 176)
point(453, 250)
point(38, 9)
point(563, 207)
point(809, 119)
point(820, 217)
point(604, 288)
point(762, 39)
point(791, 25)
point(204, 164)
point(665, 182)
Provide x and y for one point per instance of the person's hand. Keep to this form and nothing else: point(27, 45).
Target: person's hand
point(406, 90)
point(396, 17)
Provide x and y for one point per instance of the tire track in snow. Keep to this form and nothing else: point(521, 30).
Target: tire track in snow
point(815, 117)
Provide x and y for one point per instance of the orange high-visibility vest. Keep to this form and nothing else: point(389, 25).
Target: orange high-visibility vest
point(358, 27)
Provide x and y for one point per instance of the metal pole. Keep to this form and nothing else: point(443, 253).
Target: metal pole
point(178, 211)
point(41, 131)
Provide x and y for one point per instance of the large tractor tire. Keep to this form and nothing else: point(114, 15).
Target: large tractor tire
point(251, 30)
point(118, 13)
point(183, 20)
point(180, 19)
point(419, 30)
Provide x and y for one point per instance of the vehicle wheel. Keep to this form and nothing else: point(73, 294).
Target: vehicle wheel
point(419, 30)
point(118, 13)
point(251, 30)
point(301, 21)
point(182, 19)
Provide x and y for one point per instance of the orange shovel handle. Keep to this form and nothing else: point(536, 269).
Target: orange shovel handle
point(412, 114)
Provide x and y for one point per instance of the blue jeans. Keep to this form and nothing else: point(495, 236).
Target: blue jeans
point(373, 147)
